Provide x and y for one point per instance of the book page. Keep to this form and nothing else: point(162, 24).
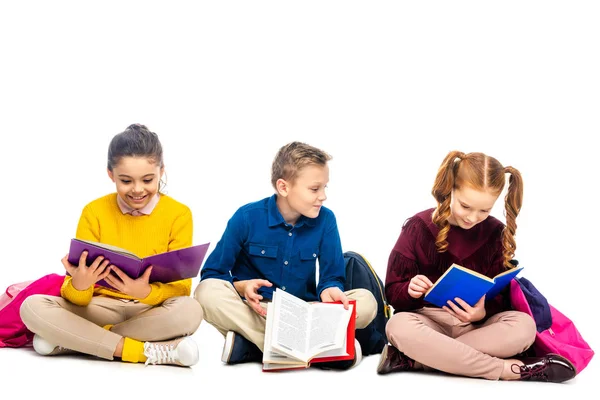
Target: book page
point(328, 326)
point(271, 358)
point(290, 325)
point(341, 351)
point(114, 249)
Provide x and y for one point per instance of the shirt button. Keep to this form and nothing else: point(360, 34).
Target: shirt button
point(314, 254)
point(283, 288)
point(285, 263)
point(262, 252)
point(290, 234)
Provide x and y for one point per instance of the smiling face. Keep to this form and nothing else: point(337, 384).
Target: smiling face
point(469, 207)
point(137, 180)
point(305, 195)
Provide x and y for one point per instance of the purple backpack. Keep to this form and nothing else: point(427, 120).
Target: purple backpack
point(555, 332)
point(13, 332)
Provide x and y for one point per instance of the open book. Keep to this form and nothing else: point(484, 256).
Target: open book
point(467, 285)
point(166, 267)
point(299, 333)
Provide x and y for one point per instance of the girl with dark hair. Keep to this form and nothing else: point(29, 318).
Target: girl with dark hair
point(135, 320)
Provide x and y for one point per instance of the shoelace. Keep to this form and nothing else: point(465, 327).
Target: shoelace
point(159, 353)
point(529, 372)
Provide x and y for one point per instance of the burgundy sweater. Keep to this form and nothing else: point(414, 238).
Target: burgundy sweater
point(478, 248)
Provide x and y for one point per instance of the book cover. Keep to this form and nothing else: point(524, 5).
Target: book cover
point(467, 285)
point(166, 267)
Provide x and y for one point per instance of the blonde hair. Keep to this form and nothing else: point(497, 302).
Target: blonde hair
point(292, 157)
point(483, 173)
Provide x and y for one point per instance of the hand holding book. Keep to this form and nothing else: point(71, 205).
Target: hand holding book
point(138, 288)
point(468, 285)
point(464, 312)
point(84, 276)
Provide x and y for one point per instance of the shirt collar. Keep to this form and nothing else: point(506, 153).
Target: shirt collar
point(146, 210)
point(275, 217)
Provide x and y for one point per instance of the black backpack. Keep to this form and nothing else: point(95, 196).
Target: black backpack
point(360, 275)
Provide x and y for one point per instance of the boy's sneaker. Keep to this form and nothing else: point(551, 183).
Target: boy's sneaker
point(238, 349)
point(344, 364)
point(182, 351)
point(45, 348)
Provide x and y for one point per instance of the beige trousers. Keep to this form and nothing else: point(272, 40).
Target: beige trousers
point(438, 340)
point(80, 328)
point(225, 310)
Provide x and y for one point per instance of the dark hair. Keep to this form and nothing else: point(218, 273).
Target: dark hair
point(294, 156)
point(135, 141)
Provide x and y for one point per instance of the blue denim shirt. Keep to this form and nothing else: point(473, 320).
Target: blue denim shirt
point(259, 244)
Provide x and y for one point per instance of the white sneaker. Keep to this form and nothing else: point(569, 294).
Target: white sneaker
point(182, 351)
point(357, 353)
point(45, 348)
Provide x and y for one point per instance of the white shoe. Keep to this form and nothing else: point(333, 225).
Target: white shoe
point(357, 353)
point(182, 351)
point(45, 348)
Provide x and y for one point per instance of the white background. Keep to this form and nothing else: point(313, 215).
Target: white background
point(388, 88)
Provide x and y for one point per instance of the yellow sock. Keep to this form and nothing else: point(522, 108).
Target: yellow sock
point(108, 327)
point(133, 351)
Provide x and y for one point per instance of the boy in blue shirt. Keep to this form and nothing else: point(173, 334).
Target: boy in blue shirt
point(275, 243)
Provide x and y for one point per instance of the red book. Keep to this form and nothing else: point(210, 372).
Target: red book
point(166, 267)
point(299, 333)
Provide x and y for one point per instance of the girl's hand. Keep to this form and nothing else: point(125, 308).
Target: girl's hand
point(333, 294)
point(137, 288)
point(83, 276)
point(467, 313)
point(249, 289)
point(418, 286)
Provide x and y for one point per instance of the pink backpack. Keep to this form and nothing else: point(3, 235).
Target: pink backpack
point(556, 333)
point(13, 332)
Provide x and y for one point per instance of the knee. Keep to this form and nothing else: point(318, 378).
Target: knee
point(29, 309)
point(190, 310)
point(209, 292)
point(366, 307)
point(527, 329)
point(399, 328)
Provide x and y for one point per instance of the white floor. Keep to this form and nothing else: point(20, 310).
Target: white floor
point(82, 377)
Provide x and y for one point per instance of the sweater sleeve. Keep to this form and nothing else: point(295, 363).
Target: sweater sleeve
point(402, 267)
point(88, 228)
point(501, 302)
point(181, 237)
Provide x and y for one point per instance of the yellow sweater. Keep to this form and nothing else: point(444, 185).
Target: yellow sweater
point(168, 227)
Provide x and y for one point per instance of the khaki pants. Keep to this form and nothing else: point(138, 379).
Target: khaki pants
point(436, 339)
point(80, 328)
point(225, 310)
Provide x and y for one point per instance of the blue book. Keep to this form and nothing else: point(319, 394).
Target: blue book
point(467, 285)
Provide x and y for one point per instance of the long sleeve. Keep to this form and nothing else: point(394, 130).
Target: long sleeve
point(88, 228)
point(403, 265)
point(181, 237)
point(223, 257)
point(331, 259)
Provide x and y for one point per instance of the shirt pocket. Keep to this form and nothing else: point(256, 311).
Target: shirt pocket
point(307, 265)
point(262, 250)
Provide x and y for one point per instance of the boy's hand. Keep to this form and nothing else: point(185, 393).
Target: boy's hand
point(83, 276)
point(467, 313)
point(333, 294)
point(138, 288)
point(249, 289)
point(418, 286)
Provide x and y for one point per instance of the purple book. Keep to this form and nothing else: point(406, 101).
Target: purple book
point(166, 267)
